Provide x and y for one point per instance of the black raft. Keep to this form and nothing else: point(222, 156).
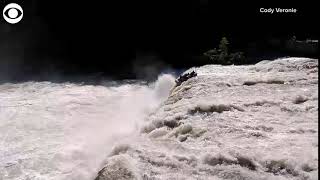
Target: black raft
point(185, 77)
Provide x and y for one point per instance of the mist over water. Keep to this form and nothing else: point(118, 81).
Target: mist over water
point(65, 130)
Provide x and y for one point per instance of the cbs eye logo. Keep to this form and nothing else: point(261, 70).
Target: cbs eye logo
point(12, 13)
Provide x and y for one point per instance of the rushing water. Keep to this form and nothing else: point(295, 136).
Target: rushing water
point(229, 122)
point(63, 130)
point(256, 122)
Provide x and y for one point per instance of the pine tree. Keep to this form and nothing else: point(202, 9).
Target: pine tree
point(223, 46)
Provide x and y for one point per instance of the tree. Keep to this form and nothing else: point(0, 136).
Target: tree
point(223, 46)
point(222, 56)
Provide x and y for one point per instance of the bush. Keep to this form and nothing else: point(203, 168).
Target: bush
point(222, 56)
point(237, 58)
point(223, 46)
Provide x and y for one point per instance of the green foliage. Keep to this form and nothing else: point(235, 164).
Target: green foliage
point(222, 56)
point(223, 46)
point(237, 58)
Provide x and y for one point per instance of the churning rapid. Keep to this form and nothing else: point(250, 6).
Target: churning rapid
point(51, 131)
point(255, 122)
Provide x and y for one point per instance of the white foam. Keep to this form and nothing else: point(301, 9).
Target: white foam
point(65, 131)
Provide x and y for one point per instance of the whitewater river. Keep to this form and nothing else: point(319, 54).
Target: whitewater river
point(65, 131)
point(256, 122)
